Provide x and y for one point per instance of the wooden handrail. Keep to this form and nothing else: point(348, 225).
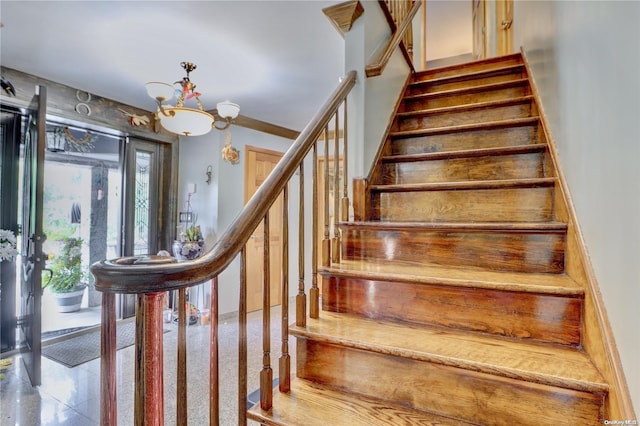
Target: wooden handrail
point(376, 68)
point(150, 277)
point(152, 274)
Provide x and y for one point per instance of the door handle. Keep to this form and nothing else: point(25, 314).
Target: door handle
point(49, 280)
point(506, 24)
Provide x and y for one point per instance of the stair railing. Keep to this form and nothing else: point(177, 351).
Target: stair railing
point(403, 16)
point(150, 277)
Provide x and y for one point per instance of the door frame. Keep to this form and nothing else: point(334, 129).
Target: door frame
point(479, 29)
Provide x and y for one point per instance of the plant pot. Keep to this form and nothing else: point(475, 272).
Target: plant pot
point(188, 250)
point(70, 301)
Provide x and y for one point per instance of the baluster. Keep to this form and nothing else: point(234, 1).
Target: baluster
point(335, 247)
point(266, 375)
point(181, 371)
point(345, 190)
point(214, 375)
point(326, 241)
point(314, 293)
point(108, 380)
point(301, 298)
point(285, 358)
point(242, 340)
point(149, 390)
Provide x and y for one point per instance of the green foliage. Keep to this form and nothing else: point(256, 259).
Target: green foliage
point(193, 233)
point(66, 266)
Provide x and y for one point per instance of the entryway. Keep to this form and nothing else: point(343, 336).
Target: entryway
point(71, 200)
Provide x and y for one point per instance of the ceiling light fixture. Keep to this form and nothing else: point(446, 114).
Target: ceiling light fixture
point(188, 121)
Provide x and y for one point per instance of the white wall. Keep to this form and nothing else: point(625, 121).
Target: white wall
point(586, 64)
point(219, 203)
point(372, 99)
point(449, 28)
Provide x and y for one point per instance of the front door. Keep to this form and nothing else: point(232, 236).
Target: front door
point(32, 257)
point(258, 165)
point(10, 137)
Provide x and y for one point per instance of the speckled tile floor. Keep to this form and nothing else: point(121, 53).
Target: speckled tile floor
point(71, 396)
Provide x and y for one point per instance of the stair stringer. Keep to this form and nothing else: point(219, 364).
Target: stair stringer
point(598, 340)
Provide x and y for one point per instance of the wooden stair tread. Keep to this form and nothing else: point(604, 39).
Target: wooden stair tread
point(537, 363)
point(467, 90)
point(496, 60)
point(558, 284)
point(513, 122)
point(466, 107)
point(465, 153)
point(499, 70)
point(311, 404)
point(466, 185)
point(544, 227)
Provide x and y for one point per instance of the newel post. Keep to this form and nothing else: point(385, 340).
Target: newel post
point(149, 389)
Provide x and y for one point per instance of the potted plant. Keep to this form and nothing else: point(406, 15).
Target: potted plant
point(67, 277)
point(7, 245)
point(190, 244)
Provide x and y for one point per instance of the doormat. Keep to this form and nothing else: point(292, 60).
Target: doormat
point(86, 347)
point(54, 334)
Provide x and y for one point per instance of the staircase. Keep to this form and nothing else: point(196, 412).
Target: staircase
point(451, 305)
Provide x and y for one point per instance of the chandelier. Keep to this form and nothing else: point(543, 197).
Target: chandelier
point(188, 121)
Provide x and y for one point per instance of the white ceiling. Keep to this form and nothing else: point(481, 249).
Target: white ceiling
point(279, 60)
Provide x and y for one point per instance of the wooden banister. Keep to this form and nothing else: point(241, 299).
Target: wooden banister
point(378, 66)
point(150, 277)
point(139, 275)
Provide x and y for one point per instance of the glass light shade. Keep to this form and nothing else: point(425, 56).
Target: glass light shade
point(160, 91)
point(228, 109)
point(187, 121)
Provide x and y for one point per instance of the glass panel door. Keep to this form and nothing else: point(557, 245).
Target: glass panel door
point(142, 211)
point(31, 254)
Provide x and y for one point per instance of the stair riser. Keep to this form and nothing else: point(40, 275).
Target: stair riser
point(519, 166)
point(417, 89)
point(467, 68)
point(446, 389)
point(521, 110)
point(527, 316)
point(465, 99)
point(502, 251)
point(490, 138)
point(486, 205)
